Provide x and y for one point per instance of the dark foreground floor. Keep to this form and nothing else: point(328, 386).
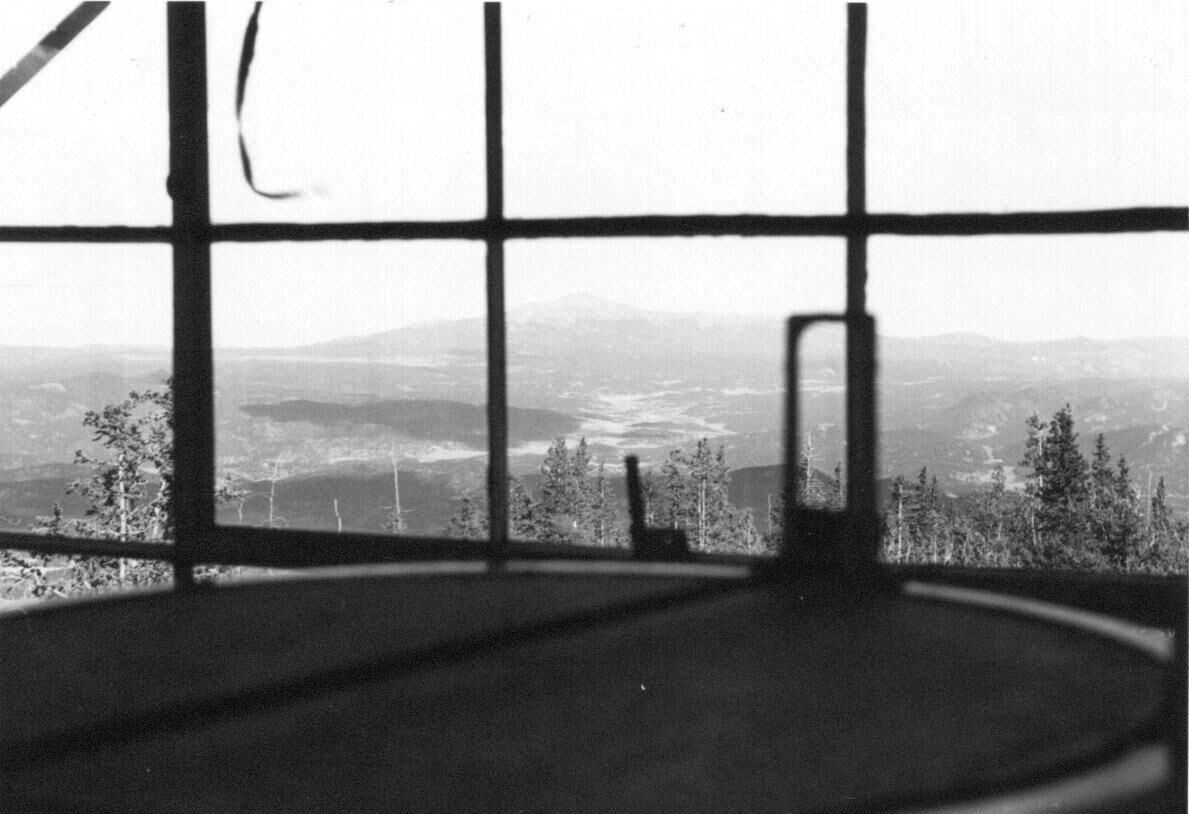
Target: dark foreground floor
point(563, 692)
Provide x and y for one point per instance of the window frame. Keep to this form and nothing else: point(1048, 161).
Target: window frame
point(199, 539)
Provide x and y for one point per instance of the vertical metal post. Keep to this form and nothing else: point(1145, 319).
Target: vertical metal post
point(497, 357)
point(856, 126)
point(193, 431)
point(861, 435)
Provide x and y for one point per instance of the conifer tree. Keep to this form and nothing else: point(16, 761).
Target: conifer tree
point(129, 486)
point(469, 521)
point(557, 492)
point(836, 499)
point(894, 531)
point(1159, 516)
point(1121, 547)
point(1059, 488)
point(574, 505)
point(675, 491)
point(127, 492)
point(524, 513)
point(604, 531)
point(698, 501)
point(774, 537)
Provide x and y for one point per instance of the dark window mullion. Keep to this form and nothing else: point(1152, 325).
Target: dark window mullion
point(497, 367)
point(189, 179)
point(861, 439)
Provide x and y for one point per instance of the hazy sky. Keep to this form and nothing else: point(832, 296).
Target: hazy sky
point(375, 111)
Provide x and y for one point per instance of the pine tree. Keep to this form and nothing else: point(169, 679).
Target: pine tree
point(127, 492)
point(1059, 490)
point(696, 500)
point(652, 498)
point(1101, 509)
point(604, 530)
point(582, 489)
point(773, 538)
point(230, 490)
point(1159, 517)
point(557, 495)
point(469, 521)
point(894, 531)
point(675, 492)
point(129, 487)
point(524, 513)
point(995, 528)
point(574, 506)
point(923, 519)
point(836, 499)
point(1166, 548)
point(810, 491)
point(1121, 549)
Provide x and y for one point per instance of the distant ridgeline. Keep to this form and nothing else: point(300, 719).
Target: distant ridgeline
point(388, 432)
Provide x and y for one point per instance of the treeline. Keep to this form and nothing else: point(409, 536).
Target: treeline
point(1072, 513)
point(689, 491)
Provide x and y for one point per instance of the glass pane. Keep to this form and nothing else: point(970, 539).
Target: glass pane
point(671, 350)
point(629, 108)
point(86, 141)
point(85, 355)
point(1016, 105)
point(821, 430)
point(979, 334)
point(350, 384)
point(365, 112)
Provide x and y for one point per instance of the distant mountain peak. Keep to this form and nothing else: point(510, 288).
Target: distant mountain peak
point(582, 305)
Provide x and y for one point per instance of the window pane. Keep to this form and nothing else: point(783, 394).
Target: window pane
point(1018, 105)
point(86, 140)
point(978, 334)
point(366, 112)
point(82, 328)
point(628, 108)
point(338, 363)
point(647, 347)
point(821, 430)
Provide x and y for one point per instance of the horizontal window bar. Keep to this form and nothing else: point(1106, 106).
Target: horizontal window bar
point(83, 547)
point(1106, 220)
point(85, 234)
point(292, 548)
point(288, 548)
point(1140, 219)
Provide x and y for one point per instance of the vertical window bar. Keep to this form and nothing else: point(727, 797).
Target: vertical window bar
point(863, 531)
point(856, 124)
point(497, 378)
point(193, 431)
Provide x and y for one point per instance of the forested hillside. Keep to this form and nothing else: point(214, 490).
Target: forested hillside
point(1072, 510)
